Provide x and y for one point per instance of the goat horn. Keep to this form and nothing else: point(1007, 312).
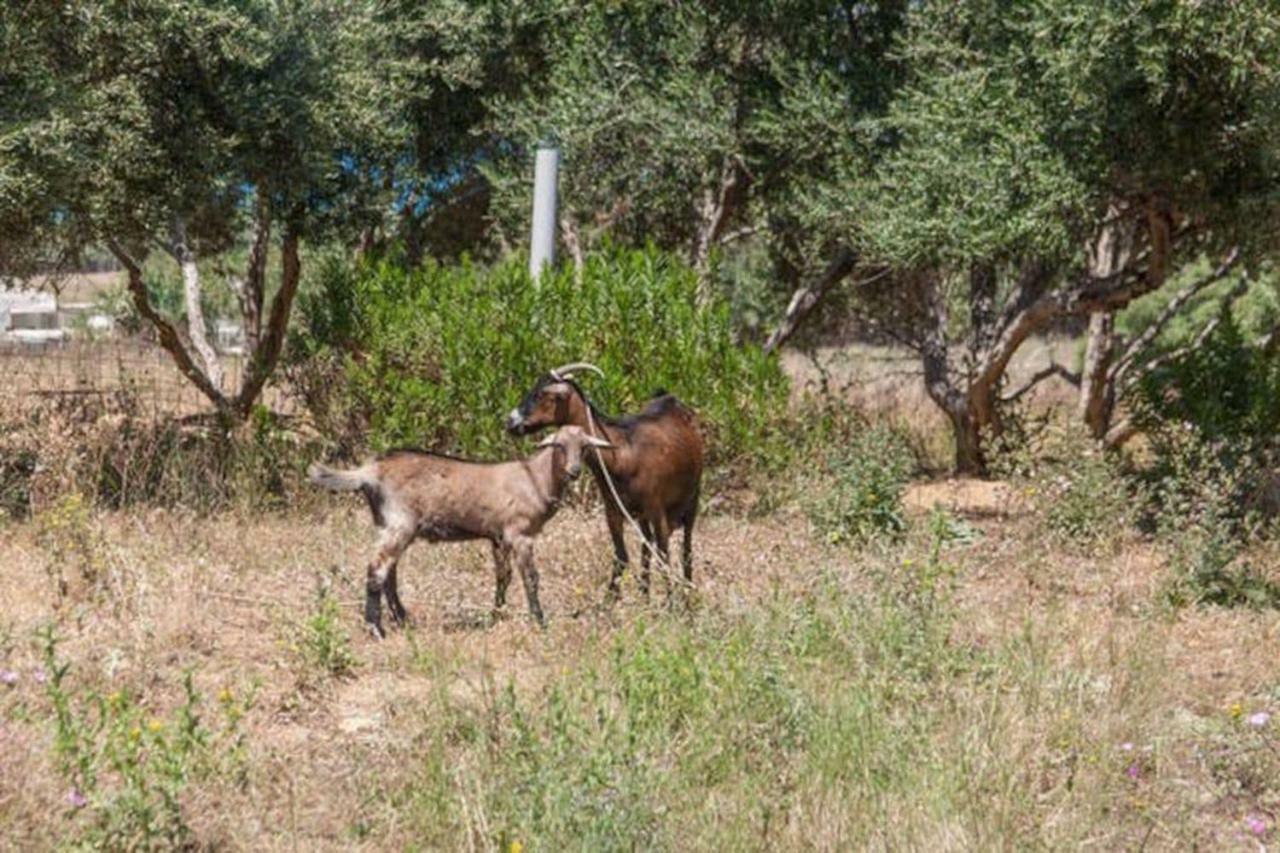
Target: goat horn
point(595, 441)
point(570, 369)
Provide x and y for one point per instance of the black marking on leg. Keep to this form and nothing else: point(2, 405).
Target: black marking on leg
point(373, 608)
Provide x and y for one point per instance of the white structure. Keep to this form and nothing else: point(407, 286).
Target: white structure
point(29, 316)
point(228, 337)
point(542, 243)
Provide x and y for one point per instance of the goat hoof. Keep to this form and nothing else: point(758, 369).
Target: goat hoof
point(376, 631)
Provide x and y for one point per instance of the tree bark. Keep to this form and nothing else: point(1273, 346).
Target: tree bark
point(196, 331)
point(168, 335)
point(806, 298)
point(573, 243)
point(718, 207)
point(264, 359)
point(1097, 392)
point(955, 400)
point(256, 278)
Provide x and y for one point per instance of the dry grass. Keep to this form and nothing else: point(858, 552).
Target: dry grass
point(105, 367)
point(1078, 659)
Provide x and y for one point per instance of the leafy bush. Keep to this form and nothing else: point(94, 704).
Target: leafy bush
point(1212, 416)
point(436, 357)
point(322, 642)
point(865, 476)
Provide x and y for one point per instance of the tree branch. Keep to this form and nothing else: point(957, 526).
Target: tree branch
point(263, 362)
point(1054, 369)
point(1199, 341)
point(168, 335)
point(1125, 363)
point(182, 253)
point(805, 298)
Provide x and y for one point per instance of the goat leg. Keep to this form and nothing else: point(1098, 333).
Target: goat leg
point(523, 551)
point(686, 549)
point(646, 533)
point(391, 545)
point(502, 578)
point(614, 517)
point(662, 541)
point(392, 592)
point(373, 605)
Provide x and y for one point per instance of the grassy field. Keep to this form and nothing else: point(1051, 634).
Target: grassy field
point(971, 686)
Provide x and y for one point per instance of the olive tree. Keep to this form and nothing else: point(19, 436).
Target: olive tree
point(1060, 159)
point(190, 128)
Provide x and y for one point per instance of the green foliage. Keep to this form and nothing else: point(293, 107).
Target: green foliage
point(666, 112)
point(864, 478)
point(322, 641)
point(1079, 491)
point(126, 768)
point(1012, 142)
point(437, 357)
point(1209, 565)
point(255, 98)
point(1212, 415)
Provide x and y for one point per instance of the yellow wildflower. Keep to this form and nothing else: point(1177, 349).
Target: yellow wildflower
point(1236, 710)
point(154, 725)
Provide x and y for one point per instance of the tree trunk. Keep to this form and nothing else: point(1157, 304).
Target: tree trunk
point(965, 406)
point(263, 361)
point(717, 209)
point(1097, 391)
point(573, 243)
point(196, 330)
point(168, 335)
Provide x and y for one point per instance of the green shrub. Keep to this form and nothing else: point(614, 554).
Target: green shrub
point(322, 642)
point(1212, 416)
point(860, 493)
point(436, 357)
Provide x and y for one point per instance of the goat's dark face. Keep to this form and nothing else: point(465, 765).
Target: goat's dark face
point(548, 404)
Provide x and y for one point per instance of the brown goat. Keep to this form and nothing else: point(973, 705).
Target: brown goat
point(418, 495)
point(656, 463)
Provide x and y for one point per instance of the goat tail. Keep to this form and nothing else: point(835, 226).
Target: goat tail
point(339, 481)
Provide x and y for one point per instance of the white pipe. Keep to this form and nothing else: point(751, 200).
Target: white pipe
point(542, 243)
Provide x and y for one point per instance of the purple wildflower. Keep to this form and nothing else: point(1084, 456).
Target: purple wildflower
point(1259, 719)
point(76, 800)
point(1126, 746)
point(8, 676)
point(1133, 772)
point(39, 675)
point(1256, 824)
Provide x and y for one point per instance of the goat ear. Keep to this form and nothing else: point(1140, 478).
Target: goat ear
point(548, 441)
